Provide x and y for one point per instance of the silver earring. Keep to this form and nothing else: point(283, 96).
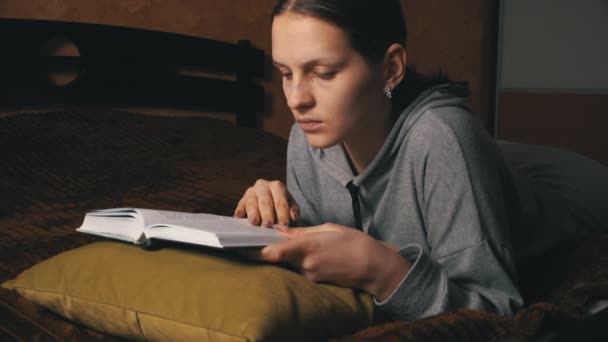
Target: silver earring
point(388, 92)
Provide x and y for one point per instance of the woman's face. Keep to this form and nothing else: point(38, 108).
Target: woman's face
point(333, 93)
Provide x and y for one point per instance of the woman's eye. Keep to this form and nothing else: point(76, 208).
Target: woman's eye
point(287, 75)
point(325, 75)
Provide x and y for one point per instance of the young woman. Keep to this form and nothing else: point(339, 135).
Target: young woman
point(380, 155)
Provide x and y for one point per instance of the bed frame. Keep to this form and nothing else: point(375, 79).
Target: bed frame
point(161, 159)
point(127, 66)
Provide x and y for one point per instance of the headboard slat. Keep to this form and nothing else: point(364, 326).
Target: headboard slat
point(127, 66)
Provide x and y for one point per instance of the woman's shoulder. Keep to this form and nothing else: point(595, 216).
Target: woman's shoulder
point(458, 120)
point(447, 124)
point(450, 130)
point(441, 113)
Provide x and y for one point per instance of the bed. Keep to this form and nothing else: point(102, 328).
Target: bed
point(66, 149)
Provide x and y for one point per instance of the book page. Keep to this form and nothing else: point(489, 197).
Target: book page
point(215, 224)
point(117, 225)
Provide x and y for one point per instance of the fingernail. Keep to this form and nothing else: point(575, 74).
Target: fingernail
point(281, 227)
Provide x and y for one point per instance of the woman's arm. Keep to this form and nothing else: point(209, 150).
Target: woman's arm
point(339, 255)
point(468, 261)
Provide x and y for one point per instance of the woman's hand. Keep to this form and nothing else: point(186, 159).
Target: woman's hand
point(339, 255)
point(267, 203)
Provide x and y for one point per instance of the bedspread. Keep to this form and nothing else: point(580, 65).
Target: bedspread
point(55, 166)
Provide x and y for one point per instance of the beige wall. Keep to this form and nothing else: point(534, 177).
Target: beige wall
point(454, 36)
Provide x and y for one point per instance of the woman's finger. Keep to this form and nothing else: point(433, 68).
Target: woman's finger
point(290, 251)
point(281, 227)
point(294, 214)
point(251, 206)
point(250, 253)
point(240, 208)
point(265, 203)
point(296, 232)
point(281, 201)
point(294, 209)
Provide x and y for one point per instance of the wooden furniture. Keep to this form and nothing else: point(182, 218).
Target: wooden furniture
point(127, 66)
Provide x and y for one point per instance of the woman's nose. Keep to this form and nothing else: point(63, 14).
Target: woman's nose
point(299, 96)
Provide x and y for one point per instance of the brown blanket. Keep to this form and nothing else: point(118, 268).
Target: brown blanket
point(559, 289)
point(56, 166)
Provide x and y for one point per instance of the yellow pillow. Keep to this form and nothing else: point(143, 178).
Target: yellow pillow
point(177, 294)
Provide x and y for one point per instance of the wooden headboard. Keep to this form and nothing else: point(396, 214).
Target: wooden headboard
point(126, 66)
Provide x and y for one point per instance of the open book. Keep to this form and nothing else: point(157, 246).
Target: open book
point(141, 226)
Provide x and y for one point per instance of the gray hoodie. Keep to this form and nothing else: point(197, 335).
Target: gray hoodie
point(439, 189)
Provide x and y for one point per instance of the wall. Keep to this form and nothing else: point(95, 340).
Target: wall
point(554, 75)
point(555, 45)
point(454, 36)
point(460, 38)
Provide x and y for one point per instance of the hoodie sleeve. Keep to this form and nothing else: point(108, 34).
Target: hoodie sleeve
point(468, 261)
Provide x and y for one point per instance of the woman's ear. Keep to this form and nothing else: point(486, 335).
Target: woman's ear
point(395, 65)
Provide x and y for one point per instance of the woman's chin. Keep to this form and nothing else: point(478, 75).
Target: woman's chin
point(320, 141)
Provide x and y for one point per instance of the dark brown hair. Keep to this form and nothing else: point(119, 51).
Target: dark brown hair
point(372, 25)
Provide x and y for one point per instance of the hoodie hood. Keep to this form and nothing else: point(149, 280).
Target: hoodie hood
point(334, 160)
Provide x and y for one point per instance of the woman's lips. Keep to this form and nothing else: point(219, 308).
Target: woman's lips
point(310, 126)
